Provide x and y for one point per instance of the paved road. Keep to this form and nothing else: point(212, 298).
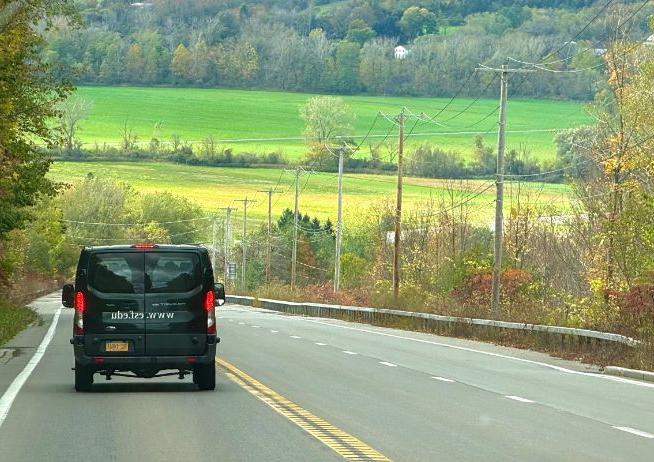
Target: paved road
point(410, 396)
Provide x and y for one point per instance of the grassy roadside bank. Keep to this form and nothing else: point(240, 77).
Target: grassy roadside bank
point(14, 317)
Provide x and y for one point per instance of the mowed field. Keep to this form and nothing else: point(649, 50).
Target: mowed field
point(264, 121)
point(215, 187)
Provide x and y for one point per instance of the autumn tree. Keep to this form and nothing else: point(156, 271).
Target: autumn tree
point(180, 65)
point(237, 61)
point(28, 101)
point(617, 194)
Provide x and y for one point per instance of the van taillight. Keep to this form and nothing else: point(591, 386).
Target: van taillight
point(80, 306)
point(209, 305)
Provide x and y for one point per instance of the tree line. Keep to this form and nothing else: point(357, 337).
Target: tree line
point(333, 47)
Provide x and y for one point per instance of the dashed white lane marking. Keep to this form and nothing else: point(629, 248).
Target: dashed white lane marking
point(321, 344)
point(387, 364)
point(241, 323)
point(10, 394)
point(273, 331)
point(519, 398)
point(295, 336)
point(442, 379)
point(633, 431)
point(348, 352)
point(255, 327)
point(486, 353)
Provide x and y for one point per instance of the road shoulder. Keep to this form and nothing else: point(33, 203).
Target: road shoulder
point(16, 353)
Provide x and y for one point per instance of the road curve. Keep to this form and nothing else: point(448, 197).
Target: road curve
point(385, 393)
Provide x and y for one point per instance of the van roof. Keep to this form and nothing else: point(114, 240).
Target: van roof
point(130, 247)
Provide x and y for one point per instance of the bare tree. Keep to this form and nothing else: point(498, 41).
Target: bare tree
point(128, 137)
point(71, 112)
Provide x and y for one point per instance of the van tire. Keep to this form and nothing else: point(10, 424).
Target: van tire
point(205, 376)
point(83, 378)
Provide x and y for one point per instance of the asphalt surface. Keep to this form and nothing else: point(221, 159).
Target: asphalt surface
point(410, 396)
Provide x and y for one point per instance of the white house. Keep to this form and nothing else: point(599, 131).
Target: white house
point(400, 52)
point(650, 40)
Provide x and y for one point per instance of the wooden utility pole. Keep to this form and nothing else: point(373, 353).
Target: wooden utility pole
point(213, 243)
point(297, 172)
point(339, 221)
point(499, 202)
point(244, 245)
point(504, 71)
point(398, 209)
point(270, 193)
point(227, 240)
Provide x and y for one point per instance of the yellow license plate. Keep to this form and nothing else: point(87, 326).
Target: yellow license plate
point(116, 346)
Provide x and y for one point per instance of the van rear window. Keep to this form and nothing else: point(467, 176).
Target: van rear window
point(172, 272)
point(116, 273)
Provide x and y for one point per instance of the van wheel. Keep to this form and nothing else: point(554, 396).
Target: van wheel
point(205, 376)
point(83, 378)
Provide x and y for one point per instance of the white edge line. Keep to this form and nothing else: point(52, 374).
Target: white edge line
point(10, 395)
point(633, 431)
point(519, 398)
point(442, 379)
point(487, 353)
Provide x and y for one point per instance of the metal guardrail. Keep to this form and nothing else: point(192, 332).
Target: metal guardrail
point(383, 316)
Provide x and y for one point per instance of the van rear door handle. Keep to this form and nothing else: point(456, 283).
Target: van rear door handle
point(110, 327)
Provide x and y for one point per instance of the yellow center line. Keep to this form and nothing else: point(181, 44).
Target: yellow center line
point(346, 445)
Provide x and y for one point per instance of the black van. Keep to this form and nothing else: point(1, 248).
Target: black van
point(143, 309)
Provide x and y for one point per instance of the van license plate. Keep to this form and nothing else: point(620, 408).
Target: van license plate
point(116, 346)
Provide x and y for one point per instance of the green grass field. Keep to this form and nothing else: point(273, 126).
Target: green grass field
point(272, 118)
point(214, 187)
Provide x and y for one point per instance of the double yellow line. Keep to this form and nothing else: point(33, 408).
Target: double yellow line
point(349, 447)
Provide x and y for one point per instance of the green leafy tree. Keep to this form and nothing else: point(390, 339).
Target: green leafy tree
point(176, 216)
point(326, 118)
point(418, 21)
point(360, 32)
point(28, 101)
point(346, 67)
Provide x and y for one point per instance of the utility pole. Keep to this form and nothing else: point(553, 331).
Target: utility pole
point(499, 202)
point(227, 239)
point(339, 221)
point(270, 193)
point(213, 242)
point(297, 172)
point(244, 245)
point(398, 209)
point(504, 71)
point(295, 226)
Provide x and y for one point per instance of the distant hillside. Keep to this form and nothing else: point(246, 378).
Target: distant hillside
point(342, 46)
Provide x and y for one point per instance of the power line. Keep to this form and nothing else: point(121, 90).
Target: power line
point(137, 224)
point(541, 65)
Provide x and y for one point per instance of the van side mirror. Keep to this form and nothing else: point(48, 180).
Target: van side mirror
point(219, 289)
point(68, 296)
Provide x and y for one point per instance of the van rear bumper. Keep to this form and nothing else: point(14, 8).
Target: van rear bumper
point(129, 363)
